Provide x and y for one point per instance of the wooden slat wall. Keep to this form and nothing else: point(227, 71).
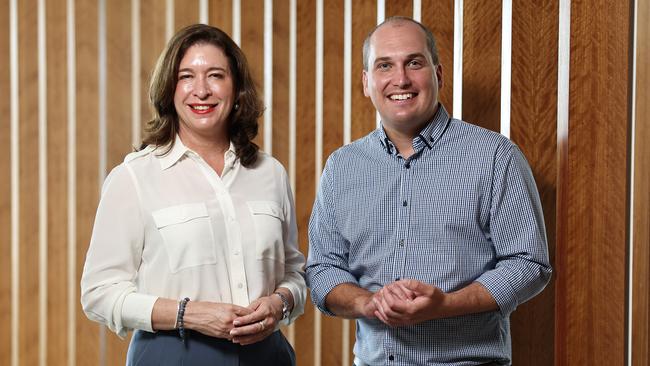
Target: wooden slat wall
point(592, 223)
point(583, 179)
point(641, 203)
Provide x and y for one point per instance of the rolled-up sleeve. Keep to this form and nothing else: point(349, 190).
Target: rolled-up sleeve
point(327, 262)
point(518, 233)
point(108, 290)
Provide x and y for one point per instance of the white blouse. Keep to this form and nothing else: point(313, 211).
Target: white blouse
point(169, 226)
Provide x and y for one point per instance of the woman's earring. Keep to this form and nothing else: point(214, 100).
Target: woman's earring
point(236, 106)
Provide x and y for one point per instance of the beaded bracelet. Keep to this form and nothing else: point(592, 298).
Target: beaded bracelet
point(179, 318)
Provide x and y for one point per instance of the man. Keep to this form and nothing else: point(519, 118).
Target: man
point(429, 230)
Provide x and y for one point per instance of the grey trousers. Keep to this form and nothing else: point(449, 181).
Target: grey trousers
point(165, 348)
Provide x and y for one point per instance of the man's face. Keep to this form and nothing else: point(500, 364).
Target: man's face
point(401, 80)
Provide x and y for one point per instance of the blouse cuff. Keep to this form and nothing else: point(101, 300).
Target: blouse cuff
point(136, 311)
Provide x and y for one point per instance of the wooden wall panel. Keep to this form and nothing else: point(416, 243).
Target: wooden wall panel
point(482, 63)
point(152, 43)
point(281, 72)
point(399, 8)
point(438, 16)
point(87, 173)
point(592, 238)
point(220, 14)
point(364, 19)
point(186, 12)
point(306, 163)
point(119, 97)
point(533, 128)
point(5, 188)
point(57, 184)
point(28, 297)
point(252, 43)
point(641, 203)
point(333, 27)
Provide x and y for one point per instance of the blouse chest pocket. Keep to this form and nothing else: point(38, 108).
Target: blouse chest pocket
point(187, 234)
point(267, 217)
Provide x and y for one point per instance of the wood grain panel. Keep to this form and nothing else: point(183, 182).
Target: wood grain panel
point(533, 128)
point(591, 247)
point(57, 184)
point(87, 166)
point(152, 42)
point(641, 204)
point(28, 187)
point(438, 16)
point(482, 63)
point(305, 159)
point(333, 27)
point(281, 82)
point(220, 14)
point(118, 116)
point(399, 7)
point(252, 43)
point(5, 188)
point(364, 19)
point(186, 12)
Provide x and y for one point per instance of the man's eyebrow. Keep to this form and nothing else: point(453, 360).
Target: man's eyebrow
point(408, 57)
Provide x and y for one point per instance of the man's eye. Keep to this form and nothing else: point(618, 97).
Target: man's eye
point(383, 66)
point(415, 63)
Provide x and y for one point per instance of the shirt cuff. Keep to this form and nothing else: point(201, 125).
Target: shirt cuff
point(322, 282)
point(500, 289)
point(136, 311)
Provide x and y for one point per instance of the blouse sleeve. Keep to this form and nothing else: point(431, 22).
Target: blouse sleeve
point(108, 290)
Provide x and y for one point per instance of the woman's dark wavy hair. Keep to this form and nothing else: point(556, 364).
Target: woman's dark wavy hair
point(242, 121)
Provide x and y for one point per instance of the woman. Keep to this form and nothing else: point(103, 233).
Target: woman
point(195, 235)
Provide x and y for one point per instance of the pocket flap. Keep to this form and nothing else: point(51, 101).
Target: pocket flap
point(178, 214)
point(265, 208)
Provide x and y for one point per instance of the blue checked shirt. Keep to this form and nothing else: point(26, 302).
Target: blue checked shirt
point(463, 208)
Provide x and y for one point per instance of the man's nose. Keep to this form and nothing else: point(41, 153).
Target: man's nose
point(401, 77)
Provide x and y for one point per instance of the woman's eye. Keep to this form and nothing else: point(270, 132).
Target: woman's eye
point(217, 76)
point(184, 76)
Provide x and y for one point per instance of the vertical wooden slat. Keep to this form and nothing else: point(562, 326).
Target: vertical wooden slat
point(533, 128)
point(152, 42)
point(87, 163)
point(118, 116)
point(57, 183)
point(220, 15)
point(591, 246)
point(281, 82)
point(332, 328)
point(482, 63)
point(252, 43)
point(186, 12)
point(438, 16)
point(641, 204)
point(399, 7)
point(5, 189)
point(305, 158)
point(29, 197)
point(364, 19)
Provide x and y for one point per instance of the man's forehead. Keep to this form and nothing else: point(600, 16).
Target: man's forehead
point(401, 39)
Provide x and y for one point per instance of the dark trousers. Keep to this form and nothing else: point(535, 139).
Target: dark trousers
point(165, 348)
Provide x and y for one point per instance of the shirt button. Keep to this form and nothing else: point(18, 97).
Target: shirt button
point(404, 203)
point(240, 285)
point(236, 252)
point(390, 358)
point(401, 242)
point(407, 165)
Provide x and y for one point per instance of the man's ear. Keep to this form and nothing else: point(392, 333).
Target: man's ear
point(364, 80)
point(441, 82)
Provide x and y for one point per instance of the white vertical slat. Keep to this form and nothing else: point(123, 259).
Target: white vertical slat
point(15, 182)
point(506, 66)
point(102, 135)
point(203, 11)
point(136, 115)
point(169, 19)
point(458, 59)
point(268, 76)
point(347, 73)
point(319, 150)
point(564, 50)
point(381, 15)
point(73, 283)
point(42, 183)
point(236, 21)
point(417, 10)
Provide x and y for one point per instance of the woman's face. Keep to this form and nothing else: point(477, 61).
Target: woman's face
point(204, 93)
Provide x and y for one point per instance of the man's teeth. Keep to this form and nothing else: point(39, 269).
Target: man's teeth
point(201, 107)
point(401, 96)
